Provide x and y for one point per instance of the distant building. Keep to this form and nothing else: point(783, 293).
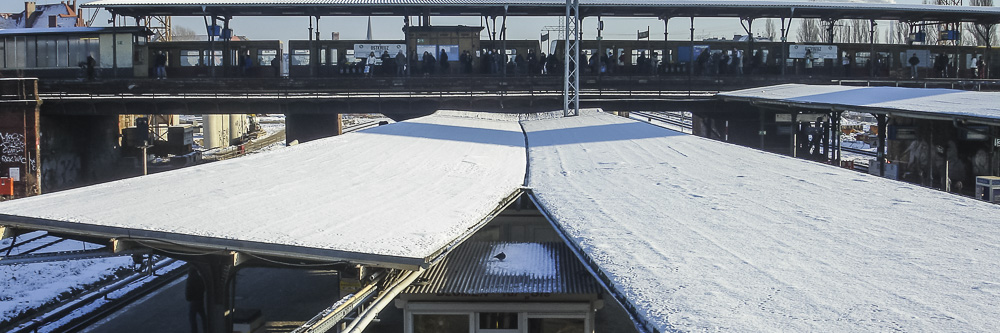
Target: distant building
point(63, 14)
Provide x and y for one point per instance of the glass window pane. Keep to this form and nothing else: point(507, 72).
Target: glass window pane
point(555, 325)
point(213, 57)
point(498, 320)
point(300, 57)
point(440, 323)
point(3, 57)
point(265, 56)
point(92, 47)
point(190, 58)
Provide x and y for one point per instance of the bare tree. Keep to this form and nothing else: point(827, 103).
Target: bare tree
point(770, 30)
point(984, 34)
point(809, 31)
point(184, 33)
point(902, 32)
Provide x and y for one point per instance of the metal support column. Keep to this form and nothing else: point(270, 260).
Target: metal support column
point(665, 55)
point(761, 132)
point(881, 143)
point(503, 41)
point(784, 40)
point(227, 57)
point(837, 116)
point(571, 60)
point(218, 276)
point(748, 28)
point(691, 60)
point(795, 134)
point(872, 57)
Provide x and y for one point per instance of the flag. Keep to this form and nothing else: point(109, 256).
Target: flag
point(369, 28)
point(545, 36)
point(643, 34)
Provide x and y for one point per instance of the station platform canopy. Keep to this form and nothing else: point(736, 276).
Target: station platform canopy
point(940, 104)
point(698, 235)
point(627, 8)
point(395, 196)
point(689, 234)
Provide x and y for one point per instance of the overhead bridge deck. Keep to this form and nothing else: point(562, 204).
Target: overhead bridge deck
point(689, 234)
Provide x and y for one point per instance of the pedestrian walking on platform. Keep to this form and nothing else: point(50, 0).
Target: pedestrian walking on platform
point(370, 64)
point(914, 61)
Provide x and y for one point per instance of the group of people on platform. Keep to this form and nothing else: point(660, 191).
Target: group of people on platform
point(708, 62)
point(943, 66)
point(491, 62)
point(727, 62)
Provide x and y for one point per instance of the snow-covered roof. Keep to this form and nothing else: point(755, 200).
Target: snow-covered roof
point(699, 235)
point(690, 234)
point(395, 195)
point(912, 102)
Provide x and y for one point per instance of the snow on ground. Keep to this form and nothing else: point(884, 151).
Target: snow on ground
point(28, 286)
point(322, 197)
point(88, 308)
point(701, 235)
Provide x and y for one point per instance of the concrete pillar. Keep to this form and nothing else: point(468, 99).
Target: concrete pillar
point(215, 131)
point(237, 127)
point(19, 139)
point(308, 127)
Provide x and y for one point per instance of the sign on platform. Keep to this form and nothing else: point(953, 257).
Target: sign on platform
point(818, 51)
point(363, 50)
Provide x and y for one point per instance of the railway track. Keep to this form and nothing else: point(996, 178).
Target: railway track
point(75, 314)
point(674, 120)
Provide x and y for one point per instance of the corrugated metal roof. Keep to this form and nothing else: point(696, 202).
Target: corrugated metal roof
point(473, 269)
point(632, 8)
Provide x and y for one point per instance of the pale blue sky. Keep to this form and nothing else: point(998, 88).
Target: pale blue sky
point(285, 28)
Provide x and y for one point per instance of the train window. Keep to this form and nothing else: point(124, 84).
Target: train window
point(3, 55)
point(300, 58)
point(190, 58)
point(264, 56)
point(92, 47)
point(323, 60)
point(350, 56)
point(212, 57)
point(334, 57)
point(861, 58)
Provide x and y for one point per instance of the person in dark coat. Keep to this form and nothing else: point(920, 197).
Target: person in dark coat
point(91, 65)
point(194, 292)
point(444, 62)
point(465, 60)
point(914, 61)
point(400, 63)
point(161, 65)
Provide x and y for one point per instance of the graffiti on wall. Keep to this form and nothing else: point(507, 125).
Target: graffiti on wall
point(12, 148)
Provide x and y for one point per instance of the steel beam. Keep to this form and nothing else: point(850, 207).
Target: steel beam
point(571, 60)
